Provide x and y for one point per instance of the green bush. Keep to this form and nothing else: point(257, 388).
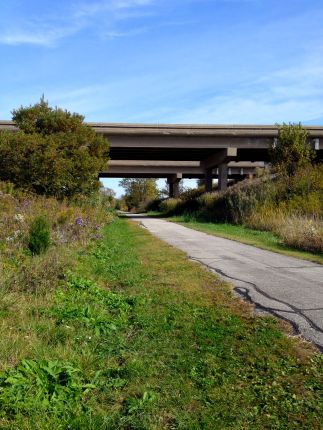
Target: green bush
point(54, 153)
point(192, 193)
point(153, 205)
point(292, 149)
point(39, 236)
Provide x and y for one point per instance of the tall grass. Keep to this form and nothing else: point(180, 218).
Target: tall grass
point(68, 224)
point(290, 207)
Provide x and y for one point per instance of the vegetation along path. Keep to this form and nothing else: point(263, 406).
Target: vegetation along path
point(136, 337)
point(287, 287)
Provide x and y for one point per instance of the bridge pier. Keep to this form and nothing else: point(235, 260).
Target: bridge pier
point(220, 159)
point(173, 183)
point(223, 177)
point(208, 180)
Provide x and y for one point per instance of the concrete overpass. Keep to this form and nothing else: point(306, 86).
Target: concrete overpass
point(191, 151)
point(188, 151)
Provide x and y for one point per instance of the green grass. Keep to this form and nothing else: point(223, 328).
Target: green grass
point(261, 239)
point(137, 337)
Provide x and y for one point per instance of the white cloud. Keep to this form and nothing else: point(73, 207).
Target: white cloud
point(47, 30)
point(37, 36)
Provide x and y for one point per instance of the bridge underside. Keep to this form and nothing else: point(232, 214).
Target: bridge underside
point(165, 169)
point(189, 151)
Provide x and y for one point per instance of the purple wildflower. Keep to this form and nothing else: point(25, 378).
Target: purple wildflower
point(25, 204)
point(79, 221)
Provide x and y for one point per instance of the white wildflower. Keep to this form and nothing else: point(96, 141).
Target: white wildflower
point(19, 217)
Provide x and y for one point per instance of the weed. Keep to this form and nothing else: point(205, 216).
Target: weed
point(32, 385)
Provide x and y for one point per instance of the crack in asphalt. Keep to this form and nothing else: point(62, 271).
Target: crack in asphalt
point(245, 292)
point(291, 267)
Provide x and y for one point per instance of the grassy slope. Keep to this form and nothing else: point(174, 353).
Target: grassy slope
point(163, 343)
point(260, 239)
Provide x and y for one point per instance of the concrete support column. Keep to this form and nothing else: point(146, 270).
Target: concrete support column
point(173, 182)
point(208, 180)
point(223, 177)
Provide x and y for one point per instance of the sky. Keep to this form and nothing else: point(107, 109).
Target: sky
point(165, 61)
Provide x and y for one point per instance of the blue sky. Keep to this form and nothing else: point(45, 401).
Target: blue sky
point(160, 61)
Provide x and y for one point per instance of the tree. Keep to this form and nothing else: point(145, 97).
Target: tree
point(54, 153)
point(139, 191)
point(291, 150)
point(108, 194)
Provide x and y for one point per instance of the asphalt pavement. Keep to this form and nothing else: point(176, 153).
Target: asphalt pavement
point(287, 287)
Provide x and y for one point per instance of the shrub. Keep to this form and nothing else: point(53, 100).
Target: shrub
point(169, 206)
point(154, 205)
point(292, 149)
point(192, 193)
point(39, 236)
point(54, 153)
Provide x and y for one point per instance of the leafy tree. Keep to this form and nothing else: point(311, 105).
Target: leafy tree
point(53, 153)
point(139, 191)
point(291, 150)
point(108, 194)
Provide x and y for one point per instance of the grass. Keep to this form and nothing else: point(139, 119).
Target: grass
point(261, 239)
point(137, 337)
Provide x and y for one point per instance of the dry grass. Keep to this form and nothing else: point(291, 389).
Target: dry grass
point(302, 233)
point(295, 230)
point(266, 218)
point(169, 205)
point(290, 207)
point(68, 222)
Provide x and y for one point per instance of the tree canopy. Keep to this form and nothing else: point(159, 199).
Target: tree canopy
point(139, 191)
point(54, 152)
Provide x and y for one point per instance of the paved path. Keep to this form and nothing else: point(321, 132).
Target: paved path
point(287, 287)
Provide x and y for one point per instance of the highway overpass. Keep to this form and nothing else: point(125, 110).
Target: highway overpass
point(189, 151)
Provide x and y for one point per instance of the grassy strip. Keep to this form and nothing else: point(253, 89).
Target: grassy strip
point(261, 239)
point(137, 337)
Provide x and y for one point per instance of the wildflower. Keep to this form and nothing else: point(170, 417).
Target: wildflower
point(79, 221)
point(25, 204)
point(14, 236)
point(19, 217)
point(97, 236)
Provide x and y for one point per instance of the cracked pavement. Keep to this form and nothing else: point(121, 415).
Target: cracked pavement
point(289, 288)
